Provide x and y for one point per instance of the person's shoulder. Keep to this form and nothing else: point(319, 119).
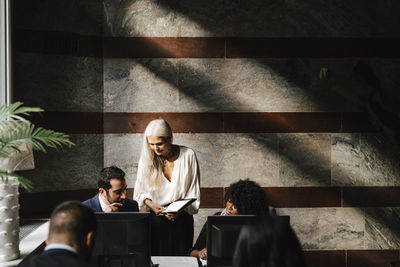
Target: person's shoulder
point(89, 202)
point(54, 257)
point(186, 151)
point(93, 203)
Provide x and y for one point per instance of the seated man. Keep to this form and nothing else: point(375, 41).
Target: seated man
point(244, 197)
point(112, 193)
point(70, 239)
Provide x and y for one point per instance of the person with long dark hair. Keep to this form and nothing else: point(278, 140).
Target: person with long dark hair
point(268, 242)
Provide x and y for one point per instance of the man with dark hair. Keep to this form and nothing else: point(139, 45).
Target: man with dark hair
point(70, 239)
point(112, 193)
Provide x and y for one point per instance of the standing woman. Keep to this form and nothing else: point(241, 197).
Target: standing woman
point(167, 172)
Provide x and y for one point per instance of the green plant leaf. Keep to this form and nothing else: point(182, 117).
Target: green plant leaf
point(16, 130)
point(24, 182)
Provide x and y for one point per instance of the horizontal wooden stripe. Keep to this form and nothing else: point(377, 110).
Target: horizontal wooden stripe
point(180, 122)
point(351, 258)
point(165, 47)
point(325, 258)
point(212, 197)
point(57, 43)
point(241, 122)
point(70, 122)
point(371, 258)
point(312, 47)
point(42, 204)
point(206, 122)
point(64, 43)
point(299, 197)
point(371, 196)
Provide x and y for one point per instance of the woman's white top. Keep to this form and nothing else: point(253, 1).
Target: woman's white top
point(185, 183)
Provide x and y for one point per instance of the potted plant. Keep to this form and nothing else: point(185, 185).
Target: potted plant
point(17, 135)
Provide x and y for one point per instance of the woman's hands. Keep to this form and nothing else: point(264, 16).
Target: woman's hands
point(202, 254)
point(157, 209)
point(171, 216)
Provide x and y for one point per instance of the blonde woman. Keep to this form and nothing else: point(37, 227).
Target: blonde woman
point(167, 172)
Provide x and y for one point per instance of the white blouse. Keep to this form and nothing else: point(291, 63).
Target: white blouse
point(185, 183)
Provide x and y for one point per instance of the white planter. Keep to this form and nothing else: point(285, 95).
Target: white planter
point(9, 220)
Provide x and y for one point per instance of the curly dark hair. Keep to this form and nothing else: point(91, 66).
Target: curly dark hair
point(247, 197)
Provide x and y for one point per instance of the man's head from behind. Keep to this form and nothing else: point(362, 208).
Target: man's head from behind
point(112, 184)
point(73, 224)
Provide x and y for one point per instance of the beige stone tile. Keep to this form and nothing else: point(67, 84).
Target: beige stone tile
point(327, 228)
point(382, 228)
point(200, 219)
point(304, 159)
point(59, 83)
point(379, 165)
point(69, 168)
point(226, 158)
point(243, 85)
point(140, 85)
point(83, 17)
point(123, 151)
point(346, 159)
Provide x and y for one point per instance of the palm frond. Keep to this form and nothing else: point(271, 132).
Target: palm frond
point(11, 114)
point(24, 182)
point(37, 138)
point(16, 130)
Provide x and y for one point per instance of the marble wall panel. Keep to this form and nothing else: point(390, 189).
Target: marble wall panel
point(304, 159)
point(379, 160)
point(142, 85)
point(223, 158)
point(244, 85)
point(200, 219)
point(382, 228)
point(83, 17)
point(387, 80)
point(346, 159)
point(59, 83)
point(336, 228)
point(203, 85)
point(250, 18)
point(327, 228)
point(123, 151)
point(226, 158)
point(69, 168)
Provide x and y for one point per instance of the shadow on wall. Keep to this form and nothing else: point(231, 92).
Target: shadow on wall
point(303, 73)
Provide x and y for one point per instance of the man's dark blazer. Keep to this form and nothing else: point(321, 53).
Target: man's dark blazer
point(94, 203)
point(54, 257)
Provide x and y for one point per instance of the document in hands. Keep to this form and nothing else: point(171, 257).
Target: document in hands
point(178, 205)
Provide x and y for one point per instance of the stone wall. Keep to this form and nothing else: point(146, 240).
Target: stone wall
point(240, 83)
point(50, 73)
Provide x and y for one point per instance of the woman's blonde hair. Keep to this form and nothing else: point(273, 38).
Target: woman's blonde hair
point(151, 164)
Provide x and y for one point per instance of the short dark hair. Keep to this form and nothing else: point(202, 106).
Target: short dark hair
point(268, 242)
point(73, 219)
point(248, 198)
point(108, 173)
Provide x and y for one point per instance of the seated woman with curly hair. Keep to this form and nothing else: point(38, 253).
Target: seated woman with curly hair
point(244, 197)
